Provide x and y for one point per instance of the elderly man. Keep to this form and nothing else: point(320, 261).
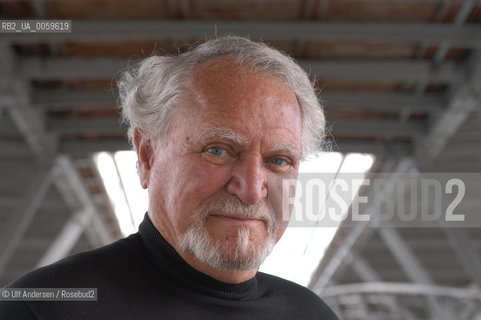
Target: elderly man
point(216, 130)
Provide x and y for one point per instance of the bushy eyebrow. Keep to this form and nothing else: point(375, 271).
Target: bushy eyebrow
point(287, 148)
point(209, 133)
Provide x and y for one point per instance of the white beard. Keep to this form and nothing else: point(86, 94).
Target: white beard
point(245, 254)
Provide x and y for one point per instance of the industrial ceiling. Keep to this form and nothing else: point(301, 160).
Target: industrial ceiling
point(400, 79)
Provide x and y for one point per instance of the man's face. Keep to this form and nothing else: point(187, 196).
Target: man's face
point(215, 179)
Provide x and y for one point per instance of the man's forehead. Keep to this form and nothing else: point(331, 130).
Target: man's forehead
point(218, 69)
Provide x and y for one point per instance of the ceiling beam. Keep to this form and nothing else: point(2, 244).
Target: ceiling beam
point(393, 70)
point(409, 289)
point(20, 219)
point(404, 256)
point(426, 33)
point(387, 102)
point(466, 252)
point(362, 268)
point(78, 146)
point(412, 268)
point(463, 13)
point(464, 100)
point(451, 166)
point(49, 203)
point(389, 70)
point(22, 165)
point(86, 125)
point(15, 148)
point(377, 127)
point(72, 183)
point(7, 127)
point(28, 120)
point(460, 149)
point(71, 68)
point(443, 47)
point(379, 148)
point(38, 8)
point(42, 144)
point(374, 127)
point(323, 275)
point(73, 98)
point(67, 238)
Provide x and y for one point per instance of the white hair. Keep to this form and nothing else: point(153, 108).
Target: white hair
point(150, 90)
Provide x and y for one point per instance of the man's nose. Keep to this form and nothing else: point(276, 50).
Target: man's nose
point(249, 180)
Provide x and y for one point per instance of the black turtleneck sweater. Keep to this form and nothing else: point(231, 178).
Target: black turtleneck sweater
point(143, 277)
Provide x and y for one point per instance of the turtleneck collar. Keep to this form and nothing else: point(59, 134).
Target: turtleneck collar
point(165, 258)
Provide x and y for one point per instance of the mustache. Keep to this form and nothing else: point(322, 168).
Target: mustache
point(235, 207)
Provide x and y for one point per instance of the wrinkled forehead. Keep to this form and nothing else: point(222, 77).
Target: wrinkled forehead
point(220, 91)
point(230, 66)
point(223, 78)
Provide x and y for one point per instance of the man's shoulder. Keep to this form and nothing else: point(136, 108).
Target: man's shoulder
point(289, 293)
point(81, 269)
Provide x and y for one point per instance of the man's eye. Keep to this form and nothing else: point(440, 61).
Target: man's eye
point(280, 161)
point(216, 151)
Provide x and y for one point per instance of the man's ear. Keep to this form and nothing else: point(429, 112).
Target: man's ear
point(145, 156)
